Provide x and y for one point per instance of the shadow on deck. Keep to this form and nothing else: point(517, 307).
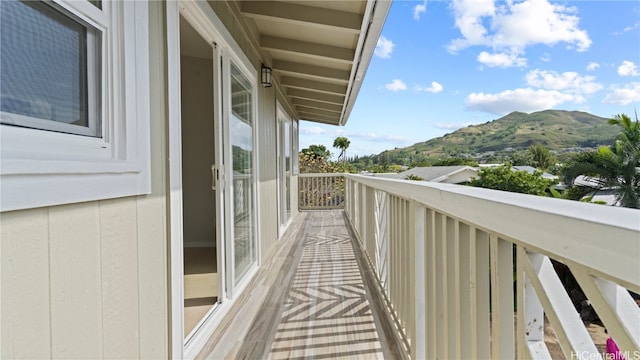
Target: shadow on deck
point(325, 311)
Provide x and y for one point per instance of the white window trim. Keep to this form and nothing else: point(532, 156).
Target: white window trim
point(295, 166)
point(42, 168)
point(284, 119)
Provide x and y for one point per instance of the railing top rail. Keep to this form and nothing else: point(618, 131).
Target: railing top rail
point(307, 175)
point(604, 239)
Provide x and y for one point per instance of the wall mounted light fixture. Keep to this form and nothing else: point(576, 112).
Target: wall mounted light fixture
point(265, 76)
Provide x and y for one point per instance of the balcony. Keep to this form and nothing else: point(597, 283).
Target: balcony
point(405, 269)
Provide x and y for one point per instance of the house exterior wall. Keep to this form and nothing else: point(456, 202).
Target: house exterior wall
point(267, 170)
point(74, 277)
point(462, 176)
point(90, 280)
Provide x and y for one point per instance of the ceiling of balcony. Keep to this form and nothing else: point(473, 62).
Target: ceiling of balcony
point(319, 50)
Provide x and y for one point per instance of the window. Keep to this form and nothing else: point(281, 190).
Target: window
point(74, 101)
point(51, 83)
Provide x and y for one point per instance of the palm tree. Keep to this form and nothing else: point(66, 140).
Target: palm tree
point(341, 143)
point(616, 167)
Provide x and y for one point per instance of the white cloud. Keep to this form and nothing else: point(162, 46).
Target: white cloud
point(434, 88)
point(623, 95)
point(636, 25)
point(525, 100)
point(546, 57)
point(314, 130)
point(468, 15)
point(419, 10)
point(628, 68)
point(384, 47)
point(592, 66)
point(567, 81)
point(503, 60)
point(396, 85)
point(516, 25)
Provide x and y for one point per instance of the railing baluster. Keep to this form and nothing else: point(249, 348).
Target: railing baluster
point(430, 280)
point(502, 299)
point(441, 288)
point(482, 294)
point(453, 287)
point(466, 293)
point(410, 242)
point(417, 237)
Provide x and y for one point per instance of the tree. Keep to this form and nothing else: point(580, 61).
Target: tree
point(615, 167)
point(503, 178)
point(455, 162)
point(317, 151)
point(341, 143)
point(541, 156)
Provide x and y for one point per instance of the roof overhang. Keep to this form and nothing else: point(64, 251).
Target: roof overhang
point(319, 50)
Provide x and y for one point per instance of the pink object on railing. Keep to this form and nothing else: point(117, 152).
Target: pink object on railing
point(613, 352)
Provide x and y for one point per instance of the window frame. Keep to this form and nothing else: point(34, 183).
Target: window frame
point(295, 151)
point(92, 64)
point(44, 168)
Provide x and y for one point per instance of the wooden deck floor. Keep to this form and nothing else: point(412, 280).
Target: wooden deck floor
point(325, 311)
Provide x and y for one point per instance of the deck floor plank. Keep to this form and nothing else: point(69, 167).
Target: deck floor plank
point(319, 304)
point(326, 313)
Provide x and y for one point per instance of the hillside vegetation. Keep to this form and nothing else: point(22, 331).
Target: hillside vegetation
point(556, 129)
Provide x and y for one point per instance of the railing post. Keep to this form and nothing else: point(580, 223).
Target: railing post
point(417, 237)
point(570, 331)
point(530, 327)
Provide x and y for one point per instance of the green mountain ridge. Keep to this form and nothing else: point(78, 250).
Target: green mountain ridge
point(558, 130)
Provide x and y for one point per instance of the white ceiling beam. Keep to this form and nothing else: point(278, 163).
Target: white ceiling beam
point(318, 51)
point(316, 104)
point(312, 95)
point(303, 14)
point(299, 83)
point(311, 70)
point(317, 111)
point(319, 118)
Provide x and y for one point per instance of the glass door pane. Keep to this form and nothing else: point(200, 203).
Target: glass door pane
point(287, 169)
point(284, 168)
point(241, 136)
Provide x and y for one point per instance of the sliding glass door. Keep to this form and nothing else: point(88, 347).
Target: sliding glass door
point(241, 130)
point(284, 168)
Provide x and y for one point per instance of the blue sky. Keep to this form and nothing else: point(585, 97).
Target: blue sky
point(442, 65)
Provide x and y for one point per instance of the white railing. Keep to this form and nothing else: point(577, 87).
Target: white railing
point(444, 258)
point(321, 191)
